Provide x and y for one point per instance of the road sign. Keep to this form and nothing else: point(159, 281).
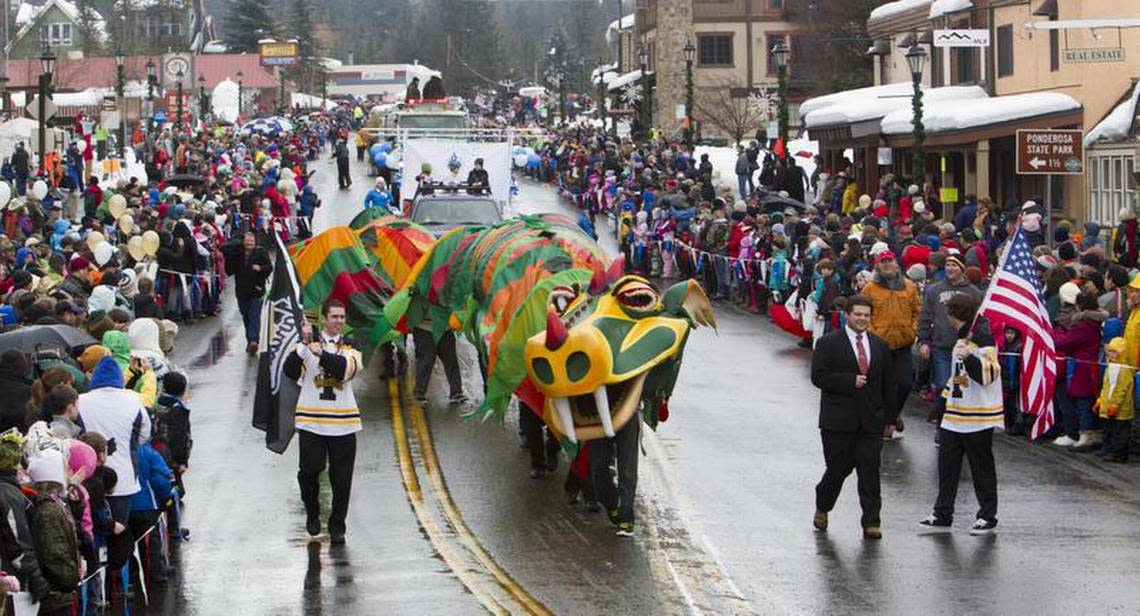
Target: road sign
point(1047, 150)
point(33, 108)
point(278, 53)
point(109, 103)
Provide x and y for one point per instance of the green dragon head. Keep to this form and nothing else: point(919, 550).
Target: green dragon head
point(611, 349)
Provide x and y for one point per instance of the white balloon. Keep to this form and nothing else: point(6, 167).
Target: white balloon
point(40, 189)
point(5, 192)
point(103, 253)
point(81, 145)
point(520, 160)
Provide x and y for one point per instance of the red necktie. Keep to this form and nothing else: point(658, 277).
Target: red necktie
point(864, 363)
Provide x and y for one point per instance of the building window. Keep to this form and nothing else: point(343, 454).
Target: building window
point(161, 26)
point(937, 68)
point(58, 35)
point(966, 63)
point(775, 5)
point(1054, 51)
point(714, 49)
point(1005, 50)
point(1110, 185)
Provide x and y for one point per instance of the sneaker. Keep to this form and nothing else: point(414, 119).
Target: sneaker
point(421, 399)
point(983, 526)
point(459, 398)
point(934, 524)
point(625, 529)
point(615, 517)
point(1065, 441)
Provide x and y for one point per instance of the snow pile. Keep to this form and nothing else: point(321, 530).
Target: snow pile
point(723, 159)
point(24, 14)
point(891, 9)
point(618, 83)
point(307, 101)
point(952, 115)
point(870, 107)
point(1117, 125)
point(941, 7)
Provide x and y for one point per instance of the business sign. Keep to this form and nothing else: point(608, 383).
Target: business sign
point(1087, 56)
point(961, 38)
point(176, 65)
point(278, 53)
point(1045, 150)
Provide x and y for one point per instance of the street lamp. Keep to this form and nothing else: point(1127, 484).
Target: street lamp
point(47, 66)
point(916, 59)
point(120, 87)
point(202, 97)
point(178, 92)
point(780, 53)
point(646, 103)
point(240, 76)
point(600, 106)
point(690, 52)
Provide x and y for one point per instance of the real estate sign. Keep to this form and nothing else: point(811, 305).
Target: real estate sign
point(1098, 54)
point(1047, 150)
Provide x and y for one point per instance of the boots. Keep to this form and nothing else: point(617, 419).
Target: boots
point(1090, 440)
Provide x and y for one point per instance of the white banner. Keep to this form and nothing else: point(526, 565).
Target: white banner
point(961, 38)
point(496, 160)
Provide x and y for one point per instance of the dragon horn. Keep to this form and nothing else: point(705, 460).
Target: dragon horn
point(555, 330)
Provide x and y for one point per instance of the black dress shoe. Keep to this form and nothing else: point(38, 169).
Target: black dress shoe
point(313, 525)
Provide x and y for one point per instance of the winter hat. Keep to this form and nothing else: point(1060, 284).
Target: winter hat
point(120, 346)
point(864, 201)
point(1126, 213)
point(739, 206)
point(91, 356)
point(956, 260)
point(78, 263)
point(47, 466)
point(919, 206)
point(778, 229)
point(1068, 293)
point(1067, 251)
point(11, 450)
point(102, 299)
point(879, 248)
point(916, 272)
point(885, 255)
point(912, 189)
point(107, 374)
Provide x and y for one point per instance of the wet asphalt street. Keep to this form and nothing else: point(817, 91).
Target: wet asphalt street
point(724, 526)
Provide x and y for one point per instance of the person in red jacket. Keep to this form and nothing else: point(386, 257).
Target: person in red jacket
point(1080, 344)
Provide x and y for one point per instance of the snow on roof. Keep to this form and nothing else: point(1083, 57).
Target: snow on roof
point(891, 9)
point(24, 14)
point(626, 23)
point(624, 80)
point(98, 25)
point(870, 107)
point(953, 115)
point(604, 68)
point(849, 96)
point(1117, 125)
point(938, 8)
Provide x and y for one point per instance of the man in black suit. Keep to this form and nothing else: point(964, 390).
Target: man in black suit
point(852, 369)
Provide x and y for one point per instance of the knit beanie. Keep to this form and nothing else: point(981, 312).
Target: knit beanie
point(11, 450)
point(916, 272)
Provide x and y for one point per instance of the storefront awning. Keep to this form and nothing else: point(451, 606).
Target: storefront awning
point(875, 103)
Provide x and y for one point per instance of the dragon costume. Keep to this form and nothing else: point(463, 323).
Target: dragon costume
point(555, 323)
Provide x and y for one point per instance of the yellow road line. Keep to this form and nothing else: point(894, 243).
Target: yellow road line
point(435, 534)
point(458, 524)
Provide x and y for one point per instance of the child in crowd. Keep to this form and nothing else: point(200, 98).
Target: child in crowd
point(60, 406)
point(171, 435)
point(1010, 358)
point(53, 530)
point(1116, 403)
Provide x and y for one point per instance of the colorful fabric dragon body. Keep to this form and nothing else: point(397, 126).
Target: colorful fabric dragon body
point(553, 320)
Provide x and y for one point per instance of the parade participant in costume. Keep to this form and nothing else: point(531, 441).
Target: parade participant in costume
point(380, 198)
point(974, 408)
point(852, 369)
point(327, 417)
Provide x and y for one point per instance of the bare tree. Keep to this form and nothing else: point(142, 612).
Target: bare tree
point(732, 110)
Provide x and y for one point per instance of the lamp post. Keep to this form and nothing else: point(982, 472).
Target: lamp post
point(916, 58)
point(151, 77)
point(47, 65)
point(780, 55)
point(120, 87)
point(178, 92)
point(240, 76)
point(690, 52)
point(560, 74)
point(600, 106)
point(646, 103)
point(202, 97)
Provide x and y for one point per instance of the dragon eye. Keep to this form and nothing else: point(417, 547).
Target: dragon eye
point(562, 297)
point(639, 297)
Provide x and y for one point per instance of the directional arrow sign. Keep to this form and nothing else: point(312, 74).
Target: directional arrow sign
point(33, 108)
point(1045, 151)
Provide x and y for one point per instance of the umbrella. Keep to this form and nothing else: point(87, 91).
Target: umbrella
point(185, 179)
point(774, 202)
point(35, 337)
point(266, 126)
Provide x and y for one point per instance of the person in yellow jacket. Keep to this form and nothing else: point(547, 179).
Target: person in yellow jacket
point(361, 144)
point(896, 304)
point(1116, 403)
point(1131, 354)
point(850, 196)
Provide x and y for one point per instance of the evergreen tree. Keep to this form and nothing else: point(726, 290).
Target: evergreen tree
point(833, 54)
point(248, 21)
point(303, 26)
point(460, 38)
point(89, 24)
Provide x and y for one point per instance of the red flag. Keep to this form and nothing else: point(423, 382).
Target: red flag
point(779, 149)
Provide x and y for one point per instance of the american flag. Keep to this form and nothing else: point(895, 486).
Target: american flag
point(1014, 300)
